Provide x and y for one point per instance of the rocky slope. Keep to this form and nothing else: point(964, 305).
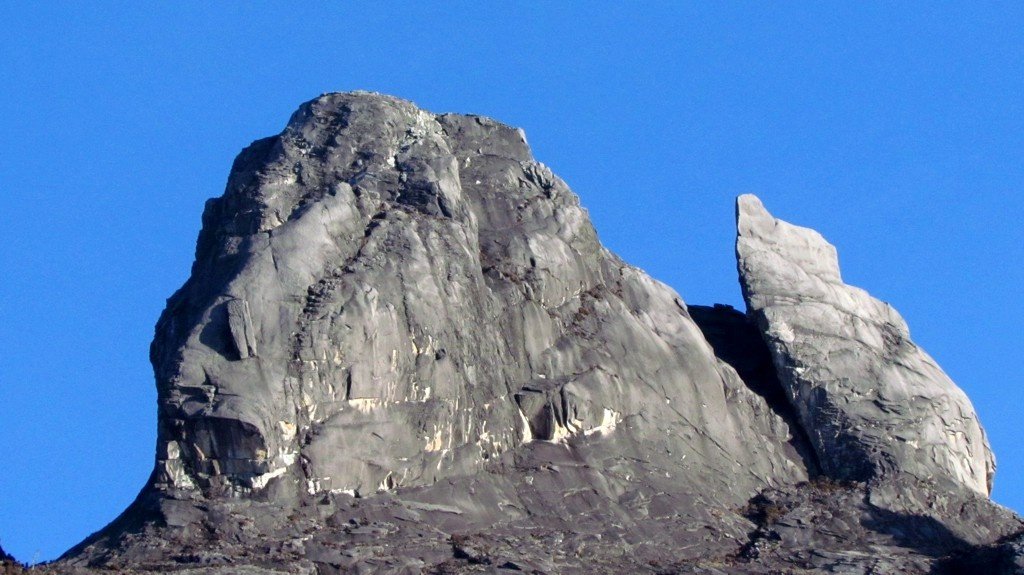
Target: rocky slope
point(402, 349)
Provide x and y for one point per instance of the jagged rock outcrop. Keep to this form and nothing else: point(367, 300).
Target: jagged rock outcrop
point(385, 297)
point(873, 403)
point(402, 349)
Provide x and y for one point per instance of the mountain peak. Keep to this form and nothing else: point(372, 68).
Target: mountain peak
point(402, 348)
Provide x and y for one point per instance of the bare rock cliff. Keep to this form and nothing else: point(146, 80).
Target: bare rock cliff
point(873, 402)
point(385, 297)
point(402, 349)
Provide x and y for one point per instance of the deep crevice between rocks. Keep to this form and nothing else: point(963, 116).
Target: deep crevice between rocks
point(737, 341)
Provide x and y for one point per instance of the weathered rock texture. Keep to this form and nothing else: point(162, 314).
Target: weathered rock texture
point(385, 297)
point(402, 349)
point(873, 403)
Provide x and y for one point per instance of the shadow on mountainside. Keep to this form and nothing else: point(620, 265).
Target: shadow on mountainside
point(737, 341)
point(1004, 557)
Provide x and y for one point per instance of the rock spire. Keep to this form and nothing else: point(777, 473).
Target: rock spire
point(872, 402)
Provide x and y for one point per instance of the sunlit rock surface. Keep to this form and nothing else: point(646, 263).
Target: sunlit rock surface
point(385, 297)
point(402, 349)
point(874, 404)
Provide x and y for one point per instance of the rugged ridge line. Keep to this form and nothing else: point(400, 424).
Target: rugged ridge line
point(402, 349)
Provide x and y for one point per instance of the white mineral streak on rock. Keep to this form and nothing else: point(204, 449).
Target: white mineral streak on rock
point(872, 402)
point(261, 481)
point(288, 430)
point(365, 404)
point(609, 420)
point(527, 435)
point(436, 442)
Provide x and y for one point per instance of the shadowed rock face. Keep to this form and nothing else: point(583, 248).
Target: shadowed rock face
point(402, 349)
point(873, 403)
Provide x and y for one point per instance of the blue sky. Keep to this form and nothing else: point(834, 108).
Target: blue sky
point(895, 129)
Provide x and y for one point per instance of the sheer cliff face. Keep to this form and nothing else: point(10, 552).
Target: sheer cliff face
point(384, 297)
point(873, 403)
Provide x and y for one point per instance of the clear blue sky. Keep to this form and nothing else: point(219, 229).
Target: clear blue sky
point(896, 129)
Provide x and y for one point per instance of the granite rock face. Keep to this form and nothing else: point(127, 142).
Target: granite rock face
point(873, 403)
point(402, 349)
point(384, 297)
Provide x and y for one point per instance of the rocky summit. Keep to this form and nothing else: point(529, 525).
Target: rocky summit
point(402, 349)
